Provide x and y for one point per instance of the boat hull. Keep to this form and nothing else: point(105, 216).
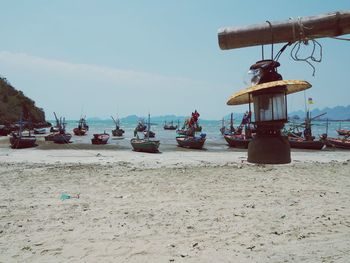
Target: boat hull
point(337, 143)
point(140, 145)
point(118, 132)
point(22, 142)
point(343, 132)
point(79, 132)
point(303, 144)
point(100, 138)
point(237, 141)
point(62, 138)
point(190, 142)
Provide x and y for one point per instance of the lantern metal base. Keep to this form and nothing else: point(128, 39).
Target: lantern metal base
point(269, 150)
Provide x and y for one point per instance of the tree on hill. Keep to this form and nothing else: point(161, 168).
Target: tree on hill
point(13, 103)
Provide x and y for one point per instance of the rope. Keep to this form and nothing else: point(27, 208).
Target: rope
point(295, 55)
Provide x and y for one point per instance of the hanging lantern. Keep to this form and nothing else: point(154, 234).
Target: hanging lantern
point(268, 94)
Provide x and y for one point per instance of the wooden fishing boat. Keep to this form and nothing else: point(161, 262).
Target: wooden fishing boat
point(301, 143)
point(79, 131)
point(118, 132)
point(145, 145)
point(227, 130)
point(61, 138)
point(49, 137)
point(336, 142)
point(343, 132)
point(82, 128)
point(100, 138)
point(18, 140)
point(191, 142)
point(141, 126)
point(237, 141)
point(169, 126)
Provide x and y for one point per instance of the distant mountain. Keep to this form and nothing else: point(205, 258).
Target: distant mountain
point(335, 113)
point(13, 103)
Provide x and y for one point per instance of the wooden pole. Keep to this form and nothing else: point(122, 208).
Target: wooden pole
point(292, 30)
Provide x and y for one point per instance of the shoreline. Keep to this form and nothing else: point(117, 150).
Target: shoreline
point(179, 157)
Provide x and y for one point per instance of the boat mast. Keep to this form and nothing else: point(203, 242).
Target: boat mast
point(149, 126)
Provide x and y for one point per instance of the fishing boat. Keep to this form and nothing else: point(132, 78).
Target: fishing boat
point(227, 130)
point(192, 142)
point(190, 126)
point(307, 141)
point(301, 143)
point(169, 126)
point(343, 132)
point(100, 138)
point(61, 137)
point(342, 143)
point(82, 128)
point(57, 126)
point(18, 140)
point(118, 132)
point(145, 145)
point(237, 140)
point(141, 126)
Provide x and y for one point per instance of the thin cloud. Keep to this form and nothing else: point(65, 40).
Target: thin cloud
point(21, 61)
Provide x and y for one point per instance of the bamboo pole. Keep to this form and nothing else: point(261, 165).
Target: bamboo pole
point(292, 30)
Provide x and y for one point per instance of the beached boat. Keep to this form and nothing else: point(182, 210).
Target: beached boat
point(237, 140)
point(18, 140)
point(301, 143)
point(169, 126)
point(118, 132)
point(343, 132)
point(227, 130)
point(82, 128)
point(100, 138)
point(61, 138)
point(342, 143)
point(191, 142)
point(145, 145)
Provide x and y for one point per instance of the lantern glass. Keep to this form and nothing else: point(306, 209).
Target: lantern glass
point(270, 107)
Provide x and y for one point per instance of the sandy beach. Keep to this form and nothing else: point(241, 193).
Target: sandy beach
point(182, 206)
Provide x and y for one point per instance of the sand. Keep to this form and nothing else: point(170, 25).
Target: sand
point(184, 206)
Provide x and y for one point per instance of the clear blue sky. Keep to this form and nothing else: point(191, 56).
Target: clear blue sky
point(103, 57)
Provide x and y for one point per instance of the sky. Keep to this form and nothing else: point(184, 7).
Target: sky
point(111, 57)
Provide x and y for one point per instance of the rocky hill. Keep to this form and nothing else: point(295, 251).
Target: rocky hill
point(13, 103)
